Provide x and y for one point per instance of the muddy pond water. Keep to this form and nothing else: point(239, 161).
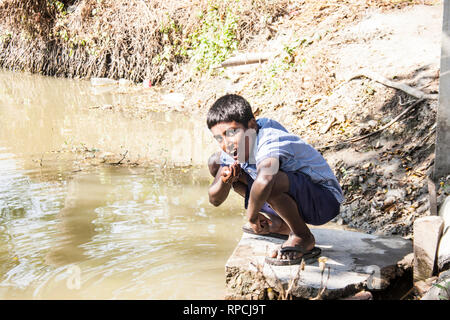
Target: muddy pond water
point(69, 230)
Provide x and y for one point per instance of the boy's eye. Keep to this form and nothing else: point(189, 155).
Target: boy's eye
point(231, 132)
point(218, 138)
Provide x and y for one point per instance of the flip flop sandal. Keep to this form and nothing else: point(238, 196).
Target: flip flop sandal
point(308, 256)
point(271, 234)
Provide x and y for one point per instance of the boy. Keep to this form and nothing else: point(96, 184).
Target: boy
point(277, 173)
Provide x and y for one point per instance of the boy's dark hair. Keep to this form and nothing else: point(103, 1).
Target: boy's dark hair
point(228, 108)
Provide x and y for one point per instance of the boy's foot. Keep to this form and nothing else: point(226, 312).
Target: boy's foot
point(273, 226)
point(275, 223)
point(302, 246)
point(248, 229)
point(307, 256)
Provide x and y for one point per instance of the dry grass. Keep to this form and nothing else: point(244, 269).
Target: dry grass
point(145, 39)
point(278, 290)
point(114, 38)
point(33, 16)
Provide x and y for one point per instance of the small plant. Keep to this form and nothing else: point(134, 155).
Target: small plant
point(445, 186)
point(444, 288)
point(288, 60)
point(344, 172)
point(174, 46)
point(5, 38)
point(59, 6)
point(215, 40)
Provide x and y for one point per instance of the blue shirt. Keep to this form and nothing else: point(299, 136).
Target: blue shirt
point(294, 154)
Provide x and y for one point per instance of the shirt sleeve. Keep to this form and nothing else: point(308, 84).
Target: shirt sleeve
point(272, 146)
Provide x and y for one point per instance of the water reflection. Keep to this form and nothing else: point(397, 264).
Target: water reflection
point(75, 219)
point(133, 233)
point(42, 114)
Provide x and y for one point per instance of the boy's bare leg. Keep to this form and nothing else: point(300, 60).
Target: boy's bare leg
point(276, 224)
point(286, 207)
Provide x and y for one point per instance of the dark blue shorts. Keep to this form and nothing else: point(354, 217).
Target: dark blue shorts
point(317, 205)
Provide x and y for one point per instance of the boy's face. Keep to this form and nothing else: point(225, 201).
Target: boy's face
point(235, 139)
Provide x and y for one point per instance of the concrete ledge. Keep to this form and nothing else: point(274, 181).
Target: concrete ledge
point(356, 261)
point(427, 232)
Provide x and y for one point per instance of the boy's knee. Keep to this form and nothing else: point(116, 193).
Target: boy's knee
point(214, 163)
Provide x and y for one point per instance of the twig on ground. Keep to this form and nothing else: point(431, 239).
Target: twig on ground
point(376, 131)
point(329, 125)
point(401, 103)
point(120, 161)
point(248, 58)
point(322, 287)
point(295, 279)
point(407, 293)
point(390, 122)
point(262, 277)
point(432, 130)
point(283, 294)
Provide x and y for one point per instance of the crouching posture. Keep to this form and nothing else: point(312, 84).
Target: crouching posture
point(286, 183)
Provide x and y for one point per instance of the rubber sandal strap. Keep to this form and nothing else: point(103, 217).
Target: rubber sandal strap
point(271, 234)
point(295, 249)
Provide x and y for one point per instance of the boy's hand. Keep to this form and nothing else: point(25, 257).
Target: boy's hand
point(259, 225)
point(232, 173)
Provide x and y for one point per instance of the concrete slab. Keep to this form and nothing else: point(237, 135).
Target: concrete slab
point(356, 262)
point(427, 233)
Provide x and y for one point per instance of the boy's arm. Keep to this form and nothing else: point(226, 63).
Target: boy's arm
point(261, 189)
point(218, 190)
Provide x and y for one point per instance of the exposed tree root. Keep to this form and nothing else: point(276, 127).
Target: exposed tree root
point(396, 85)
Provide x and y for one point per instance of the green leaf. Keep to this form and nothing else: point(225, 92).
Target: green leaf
point(440, 286)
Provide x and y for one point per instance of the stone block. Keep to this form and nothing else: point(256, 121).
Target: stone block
point(427, 233)
point(354, 262)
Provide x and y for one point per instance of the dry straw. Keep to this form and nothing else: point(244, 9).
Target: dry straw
point(113, 38)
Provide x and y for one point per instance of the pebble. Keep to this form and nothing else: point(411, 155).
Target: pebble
point(367, 165)
point(372, 123)
point(389, 201)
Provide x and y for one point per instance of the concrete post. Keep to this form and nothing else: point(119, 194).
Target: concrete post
point(442, 160)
